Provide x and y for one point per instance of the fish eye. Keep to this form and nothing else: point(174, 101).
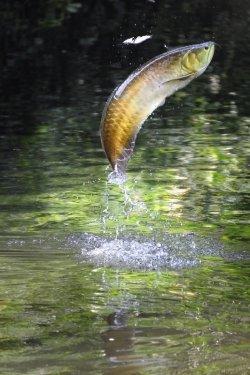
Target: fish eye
point(206, 48)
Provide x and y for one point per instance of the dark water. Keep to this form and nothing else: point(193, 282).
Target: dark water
point(147, 279)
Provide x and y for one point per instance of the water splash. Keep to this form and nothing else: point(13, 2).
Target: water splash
point(116, 177)
point(137, 39)
point(119, 250)
point(174, 251)
point(121, 200)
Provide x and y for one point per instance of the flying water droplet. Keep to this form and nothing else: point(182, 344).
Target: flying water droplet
point(137, 39)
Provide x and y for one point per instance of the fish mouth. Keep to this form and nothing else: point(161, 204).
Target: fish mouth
point(211, 49)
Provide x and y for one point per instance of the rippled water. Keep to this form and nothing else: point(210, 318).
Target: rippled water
point(60, 314)
point(148, 278)
point(101, 280)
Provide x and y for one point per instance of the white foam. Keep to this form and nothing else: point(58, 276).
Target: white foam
point(173, 251)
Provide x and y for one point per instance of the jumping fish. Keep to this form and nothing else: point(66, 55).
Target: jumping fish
point(142, 92)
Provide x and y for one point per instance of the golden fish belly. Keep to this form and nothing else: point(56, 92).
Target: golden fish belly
point(125, 114)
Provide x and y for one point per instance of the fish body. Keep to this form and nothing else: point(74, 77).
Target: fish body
point(142, 92)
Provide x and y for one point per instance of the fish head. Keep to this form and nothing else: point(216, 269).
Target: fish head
point(196, 59)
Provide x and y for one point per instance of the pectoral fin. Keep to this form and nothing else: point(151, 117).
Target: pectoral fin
point(178, 79)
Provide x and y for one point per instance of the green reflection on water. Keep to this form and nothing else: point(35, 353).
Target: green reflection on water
point(189, 172)
point(60, 316)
